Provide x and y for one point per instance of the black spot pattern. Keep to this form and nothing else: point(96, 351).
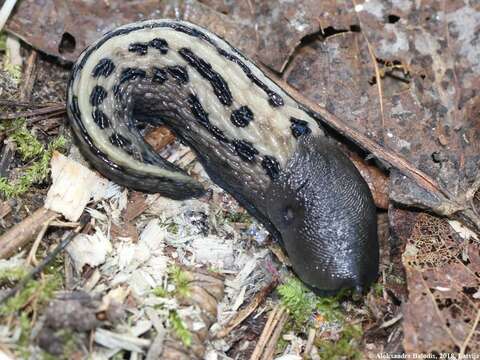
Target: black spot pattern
point(202, 117)
point(99, 117)
point(159, 75)
point(245, 150)
point(271, 166)
point(274, 99)
point(138, 48)
point(179, 73)
point(128, 74)
point(159, 44)
point(97, 95)
point(218, 134)
point(198, 111)
point(120, 141)
point(219, 85)
point(104, 68)
point(299, 127)
point(242, 116)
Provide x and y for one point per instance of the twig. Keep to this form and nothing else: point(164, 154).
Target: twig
point(276, 318)
point(83, 221)
point(30, 75)
point(245, 312)
point(19, 235)
point(392, 321)
point(55, 109)
point(16, 103)
point(64, 224)
point(272, 341)
point(31, 259)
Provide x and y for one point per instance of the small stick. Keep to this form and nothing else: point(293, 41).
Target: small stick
point(245, 312)
point(83, 221)
point(272, 341)
point(48, 110)
point(23, 232)
point(275, 317)
point(16, 103)
point(31, 258)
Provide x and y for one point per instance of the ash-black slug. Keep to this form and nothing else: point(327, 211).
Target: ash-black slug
point(253, 139)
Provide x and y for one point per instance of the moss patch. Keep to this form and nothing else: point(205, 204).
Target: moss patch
point(30, 149)
point(179, 328)
point(179, 278)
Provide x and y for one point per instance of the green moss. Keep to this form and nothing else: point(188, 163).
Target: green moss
point(30, 149)
point(160, 292)
point(238, 217)
point(180, 329)
point(347, 347)
point(377, 289)
point(41, 290)
point(15, 71)
point(23, 343)
point(299, 301)
point(28, 146)
point(180, 279)
point(12, 275)
point(302, 303)
point(281, 344)
point(329, 308)
point(173, 228)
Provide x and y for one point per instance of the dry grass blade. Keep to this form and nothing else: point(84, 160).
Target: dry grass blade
point(48, 111)
point(270, 334)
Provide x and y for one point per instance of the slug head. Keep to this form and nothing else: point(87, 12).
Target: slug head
point(325, 215)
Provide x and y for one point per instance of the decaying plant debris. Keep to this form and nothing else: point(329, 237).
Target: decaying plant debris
point(146, 277)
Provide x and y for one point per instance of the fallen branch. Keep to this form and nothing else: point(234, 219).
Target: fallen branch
point(22, 233)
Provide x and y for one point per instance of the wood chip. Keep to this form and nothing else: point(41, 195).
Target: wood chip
point(73, 185)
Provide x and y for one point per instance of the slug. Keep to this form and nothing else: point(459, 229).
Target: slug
point(253, 139)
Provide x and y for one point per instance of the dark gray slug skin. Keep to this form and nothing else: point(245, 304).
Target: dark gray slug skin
point(317, 206)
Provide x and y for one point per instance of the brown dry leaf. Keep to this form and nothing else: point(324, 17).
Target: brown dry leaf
point(425, 56)
point(268, 28)
point(443, 275)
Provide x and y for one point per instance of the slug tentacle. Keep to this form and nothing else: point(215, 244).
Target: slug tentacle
point(251, 137)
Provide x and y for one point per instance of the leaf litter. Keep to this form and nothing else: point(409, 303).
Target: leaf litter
point(401, 73)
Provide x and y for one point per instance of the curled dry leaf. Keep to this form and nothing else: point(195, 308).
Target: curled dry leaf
point(443, 274)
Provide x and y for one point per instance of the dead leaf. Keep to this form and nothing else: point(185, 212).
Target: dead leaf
point(441, 313)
